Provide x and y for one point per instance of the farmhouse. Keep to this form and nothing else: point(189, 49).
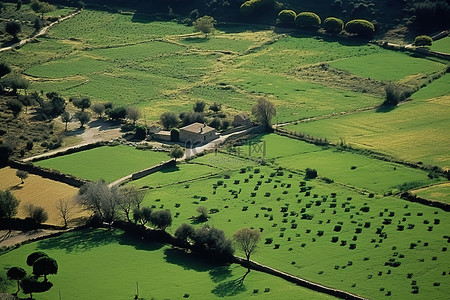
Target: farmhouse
point(197, 133)
point(241, 120)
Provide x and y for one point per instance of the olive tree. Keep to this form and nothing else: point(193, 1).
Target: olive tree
point(36, 213)
point(423, 40)
point(264, 111)
point(161, 219)
point(99, 198)
point(98, 108)
point(169, 120)
point(22, 175)
point(176, 152)
point(247, 239)
point(129, 198)
point(66, 118)
point(82, 103)
point(133, 114)
point(13, 28)
point(82, 117)
point(205, 25)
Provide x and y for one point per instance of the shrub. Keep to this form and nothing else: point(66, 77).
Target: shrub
point(169, 120)
point(37, 213)
point(423, 40)
point(141, 132)
point(117, 113)
point(287, 17)
point(307, 20)
point(15, 106)
point(311, 173)
point(161, 219)
point(360, 27)
point(333, 25)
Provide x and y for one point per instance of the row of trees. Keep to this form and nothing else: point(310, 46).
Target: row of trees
point(310, 20)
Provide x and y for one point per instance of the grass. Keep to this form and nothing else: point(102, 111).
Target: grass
point(441, 45)
point(396, 132)
point(374, 225)
point(108, 163)
point(439, 192)
point(387, 66)
point(349, 168)
point(118, 262)
point(41, 192)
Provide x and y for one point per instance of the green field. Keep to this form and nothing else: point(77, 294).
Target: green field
point(388, 66)
point(280, 209)
point(415, 131)
point(108, 163)
point(116, 262)
point(442, 45)
point(440, 192)
point(352, 169)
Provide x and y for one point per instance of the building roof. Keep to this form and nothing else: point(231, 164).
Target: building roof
point(198, 128)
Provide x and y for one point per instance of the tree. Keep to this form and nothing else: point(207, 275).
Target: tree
point(15, 82)
point(99, 198)
point(19, 4)
point(117, 113)
point(423, 40)
point(82, 103)
point(215, 107)
point(311, 173)
point(203, 214)
point(15, 106)
point(6, 149)
point(176, 152)
point(247, 239)
point(214, 240)
point(44, 266)
point(16, 273)
point(41, 7)
point(13, 28)
point(30, 285)
point(199, 106)
point(65, 208)
point(52, 108)
point(98, 108)
point(36, 213)
point(133, 114)
point(215, 122)
point(263, 111)
point(205, 24)
point(82, 117)
point(169, 120)
point(4, 69)
point(142, 215)
point(333, 25)
point(66, 118)
point(161, 219)
point(129, 197)
point(191, 117)
point(8, 205)
point(22, 174)
point(27, 100)
point(35, 256)
point(140, 132)
point(184, 231)
point(307, 20)
point(287, 17)
point(360, 27)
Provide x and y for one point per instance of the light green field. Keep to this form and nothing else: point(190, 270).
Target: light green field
point(302, 251)
point(442, 45)
point(108, 163)
point(367, 173)
point(181, 172)
point(440, 192)
point(415, 131)
point(116, 262)
point(387, 66)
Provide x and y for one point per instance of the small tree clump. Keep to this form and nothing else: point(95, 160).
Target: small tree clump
point(22, 175)
point(287, 17)
point(360, 27)
point(333, 25)
point(215, 107)
point(161, 219)
point(307, 20)
point(82, 117)
point(176, 152)
point(199, 106)
point(184, 231)
point(141, 132)
point(4, 69)
point(205, 25)
point(423, 40)
point(133, 114)
point(311, 173)
point(169, 120)
point(37, 213)
point(98, 108)
point(15, 106)
point(82, 103)
point(117, 113)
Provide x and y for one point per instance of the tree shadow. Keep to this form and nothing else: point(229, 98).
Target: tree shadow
point(170, 170)
point(79, 130)
point(129, 239)
point(189, 261)
point(220, 273)
point(385, 108)
point(196, 40)
point(238, 28)
point(103, 125)
point(81, 240)
point(16, 187)
point(231, 287)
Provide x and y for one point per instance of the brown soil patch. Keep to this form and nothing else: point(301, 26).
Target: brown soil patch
point(39, 191)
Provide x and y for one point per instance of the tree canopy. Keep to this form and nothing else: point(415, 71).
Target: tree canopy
point(264, 111)
point(247, 239)
point(205, 25)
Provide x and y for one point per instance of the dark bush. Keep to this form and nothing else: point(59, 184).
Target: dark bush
point(287, 17)
point(15, 106)
point(311, 173)
point(333, 25)
point(360, 27)
point(307, 20)
point(423, 40)
point(250, 7)
point(141, 132)
point(117, 113)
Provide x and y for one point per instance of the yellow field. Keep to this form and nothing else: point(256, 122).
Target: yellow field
point(440, 192)
point(40, 192)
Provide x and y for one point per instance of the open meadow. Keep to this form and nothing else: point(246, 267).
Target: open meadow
point(107, 162)
point(40, 192)
point(118, 262)
point(321, 232)
point(439, 192)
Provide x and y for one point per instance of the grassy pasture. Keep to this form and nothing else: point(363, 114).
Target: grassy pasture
point(440, 192)
point(381, 229)
point(387, 66)
point(407, 132)
point(108, 163)
point(39, 191)
point(117, 261)
point(442, 45)
point(349, 168)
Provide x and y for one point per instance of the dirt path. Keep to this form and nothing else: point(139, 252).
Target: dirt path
point(41, 32)
point(95, 131)
point(11, 238)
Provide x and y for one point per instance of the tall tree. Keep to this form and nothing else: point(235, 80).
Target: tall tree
point(16, 273)
point(65, 208)
point(264, 111)
point(247, 239)
point(8, 205)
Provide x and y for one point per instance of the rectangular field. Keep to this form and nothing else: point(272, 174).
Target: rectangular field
point(440, 192)
point(108, 163)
